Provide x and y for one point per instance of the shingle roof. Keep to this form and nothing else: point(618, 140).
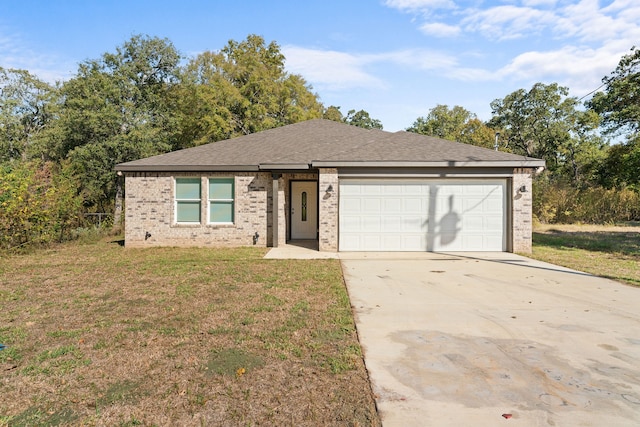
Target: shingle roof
point(325, 143)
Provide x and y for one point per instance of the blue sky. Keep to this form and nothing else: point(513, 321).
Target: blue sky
point(396, 59)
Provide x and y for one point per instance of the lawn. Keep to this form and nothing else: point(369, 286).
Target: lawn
point(607, 251)
point(97, 334)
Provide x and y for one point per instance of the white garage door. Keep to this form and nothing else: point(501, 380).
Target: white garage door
point(424, 215)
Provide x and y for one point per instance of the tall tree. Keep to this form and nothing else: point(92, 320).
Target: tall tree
point(239, 90)
point(619, 107)
point(118, 108)
point(27, 106)
point(545, 122)
point(454, 124)
point(619, 103)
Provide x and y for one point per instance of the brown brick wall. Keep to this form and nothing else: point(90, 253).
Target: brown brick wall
point(150, 205)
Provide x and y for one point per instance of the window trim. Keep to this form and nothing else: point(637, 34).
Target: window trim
point(177, 200)
point(232, 200)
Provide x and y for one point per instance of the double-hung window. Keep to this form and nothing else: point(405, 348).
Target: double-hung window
point(188, 200)
point(221, 200)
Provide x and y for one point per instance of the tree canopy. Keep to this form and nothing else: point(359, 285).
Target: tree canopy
point(619, 103)
point(544, 122)
point(359, 118)
point(454, 124)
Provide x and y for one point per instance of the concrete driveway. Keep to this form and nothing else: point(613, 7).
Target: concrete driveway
point(495, 339)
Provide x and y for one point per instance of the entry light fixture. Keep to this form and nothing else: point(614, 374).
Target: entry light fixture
point(523, 189)
point(330, 188)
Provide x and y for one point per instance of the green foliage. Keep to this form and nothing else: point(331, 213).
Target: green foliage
point(362, 119)
point(38, 204)
point(545, 123)
point(355, 118)
point(455, 124)
point(621, 166)
point(240, 90)
point(619, 104)
point(27, 107)
point(118, 108)
point(563, 203)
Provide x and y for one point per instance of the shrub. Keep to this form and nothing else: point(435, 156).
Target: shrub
point(38, 204)
point(560, 202)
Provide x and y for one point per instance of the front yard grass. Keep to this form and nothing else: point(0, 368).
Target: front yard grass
point(607, 251)
point(97, 334)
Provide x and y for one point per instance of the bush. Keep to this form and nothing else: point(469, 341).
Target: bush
point(559, 202)
point(38, 204)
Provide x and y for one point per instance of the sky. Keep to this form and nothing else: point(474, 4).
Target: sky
point(396, 59)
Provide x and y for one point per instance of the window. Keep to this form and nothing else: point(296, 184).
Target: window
point(221, 200)
point(304, 206)
point(188, 200)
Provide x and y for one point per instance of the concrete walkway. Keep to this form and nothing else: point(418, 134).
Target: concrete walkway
point(489, 338)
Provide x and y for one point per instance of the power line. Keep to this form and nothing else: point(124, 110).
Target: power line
point(580, 99)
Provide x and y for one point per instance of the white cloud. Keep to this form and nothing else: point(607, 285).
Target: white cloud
point(334, 70)
point(47, 67)
point(439, 29)
point(507, 22)
point(535, 3)
point(414, 5)
point(580, 69)
point(588, 22)
point(422, 59)
point(331, 69)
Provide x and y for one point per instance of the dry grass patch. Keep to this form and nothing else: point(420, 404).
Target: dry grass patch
point(603, 250)
point(102, 335)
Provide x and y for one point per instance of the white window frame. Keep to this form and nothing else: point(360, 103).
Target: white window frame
point(232, 200)
point(177, 201)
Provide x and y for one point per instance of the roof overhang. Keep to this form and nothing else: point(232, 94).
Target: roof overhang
point(525, 163)
point(186, 168)
point(283, 166)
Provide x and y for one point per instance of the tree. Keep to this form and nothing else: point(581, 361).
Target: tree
point(239, 90)
point(355, 118)
point(619, 104)
point(27, 107)
point(545, 123)
point(116, 109)
point(619, 107)
point(333, 113)
point(455, 124)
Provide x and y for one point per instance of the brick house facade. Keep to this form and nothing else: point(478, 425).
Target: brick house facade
point(328, 155)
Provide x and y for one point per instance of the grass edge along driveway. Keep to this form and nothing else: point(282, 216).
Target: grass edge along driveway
point(612, 252)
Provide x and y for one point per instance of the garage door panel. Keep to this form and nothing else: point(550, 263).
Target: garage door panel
point(392, 223)
point(392, 206)
point(350, 205)
point(371, 205)
point(466, 215)
point(371, 224)
point(350, 223)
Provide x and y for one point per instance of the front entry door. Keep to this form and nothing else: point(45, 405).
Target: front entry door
point(304, 210)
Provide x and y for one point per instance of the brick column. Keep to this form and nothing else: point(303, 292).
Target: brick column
point(522, 210)
point(328, 221)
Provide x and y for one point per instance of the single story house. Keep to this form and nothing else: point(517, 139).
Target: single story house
point(348, 188)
